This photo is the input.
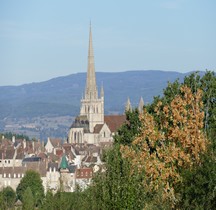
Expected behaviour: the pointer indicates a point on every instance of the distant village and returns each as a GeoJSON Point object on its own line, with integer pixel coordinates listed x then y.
{"type": "Point", "coordinates": [66, 163]}
{"type": "Point", "coordinates": [73, 164]}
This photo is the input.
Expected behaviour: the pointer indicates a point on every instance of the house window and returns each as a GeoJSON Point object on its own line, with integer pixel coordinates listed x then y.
{"type": "Point", "coordinates": [104, 134]}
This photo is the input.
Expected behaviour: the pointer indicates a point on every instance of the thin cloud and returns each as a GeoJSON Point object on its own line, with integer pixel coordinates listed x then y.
{"type": "Point", "coordinates": [172, 5]}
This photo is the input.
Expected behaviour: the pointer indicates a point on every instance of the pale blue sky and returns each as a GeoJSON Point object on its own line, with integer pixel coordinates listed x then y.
{"type": "Point", "coordinates": [43, 39]}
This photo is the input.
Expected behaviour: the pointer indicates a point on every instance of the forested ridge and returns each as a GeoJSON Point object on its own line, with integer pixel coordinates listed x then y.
{"type": "Point", "coordinates": [162, 158]}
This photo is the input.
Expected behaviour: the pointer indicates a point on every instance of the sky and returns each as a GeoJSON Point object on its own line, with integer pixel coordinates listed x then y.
{"type": "Point", "coordinates": [44, 39]}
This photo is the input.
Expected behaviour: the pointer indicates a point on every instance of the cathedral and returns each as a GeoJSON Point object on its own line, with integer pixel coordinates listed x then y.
{"type": "Point", "coordinates": [91, 126]}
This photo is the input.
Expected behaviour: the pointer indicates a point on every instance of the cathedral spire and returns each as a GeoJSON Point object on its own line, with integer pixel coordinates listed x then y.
{"type": "Point", "coordinates": [91, 88]}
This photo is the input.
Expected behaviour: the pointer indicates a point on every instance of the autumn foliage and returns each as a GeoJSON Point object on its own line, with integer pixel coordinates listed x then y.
{"type": "Point", "coordinates": [169, 141]}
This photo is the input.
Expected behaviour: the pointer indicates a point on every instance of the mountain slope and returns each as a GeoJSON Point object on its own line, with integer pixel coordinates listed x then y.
{"type": "Point", "coordinates": [61, 96]}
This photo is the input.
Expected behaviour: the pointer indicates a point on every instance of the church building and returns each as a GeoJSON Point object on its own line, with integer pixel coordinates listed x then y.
{"type": "Point", "coordinates": [91, 126]}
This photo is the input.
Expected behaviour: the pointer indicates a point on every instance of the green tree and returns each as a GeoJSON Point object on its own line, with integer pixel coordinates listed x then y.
{"type": "Point", "coordinates": [116, 187]}
{"type": "Point", "coordinates": [9, 196]}
{"type": "Point", "coordinates": [49, 202]}
{"type": "Point", "coordinates": [28, 200]}
{"type": "Point", "coordinates": [198, 189]}
{"type": "Point", "coordinates": [130, 129]}
{"type": "Point", "coordinates": [2, 202]}
{"type": "Point", "coordinates": [33, 181]}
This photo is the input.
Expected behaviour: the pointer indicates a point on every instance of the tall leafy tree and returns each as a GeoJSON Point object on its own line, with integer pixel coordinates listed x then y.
{"type": "Point", "coordinates": [197, 189]}
{"type": "Point", "coordinates": [28, 200]}
{"type": "Point", "coordinates": [130, 129]}
{"type": "Point", "coordinates": [116, 187]}
{"type": "Point", "coordinates": [162, 149]}
{"type": "Point", "coordinates": [7, 198]}
{"type": "Point", "coordinates": [33, 181]}
{"type": "Point", "coordinates": [49, 201]}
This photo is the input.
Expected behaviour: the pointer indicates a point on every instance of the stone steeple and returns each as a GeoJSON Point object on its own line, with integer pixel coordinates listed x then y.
{"type": "Point", "coordinates": [141, 104]}
{"type": "Point", "coordinates": [91, 88]}
{"type": "Point", "coordinates": [128, 106]}
{"type": "Point", "coordinates": [92, 106]}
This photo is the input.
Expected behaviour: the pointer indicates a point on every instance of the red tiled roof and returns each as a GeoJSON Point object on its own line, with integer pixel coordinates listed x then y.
{"type": "Point", "coordinates": [114, 122]}
{"type": "Point", "coordinates": [59, 152]}
{"type": "Point", "coordinates": [84, 173]}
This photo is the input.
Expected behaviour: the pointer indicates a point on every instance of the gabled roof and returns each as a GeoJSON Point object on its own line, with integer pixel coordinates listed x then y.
{"type": "Point", "coordinates": [97, 128]}
{"type": "Point", "coordinates": [56, 142]}
{"type": "Point", "coordinates": [7, 153]}
{"type": "Point", "coordinates": [90, 159]}
{"type": "Point", "coordinates": [114, 122]}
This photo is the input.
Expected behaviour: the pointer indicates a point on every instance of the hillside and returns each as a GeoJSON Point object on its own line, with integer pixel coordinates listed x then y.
{"type": "Point", "coordinates": [61, 96]}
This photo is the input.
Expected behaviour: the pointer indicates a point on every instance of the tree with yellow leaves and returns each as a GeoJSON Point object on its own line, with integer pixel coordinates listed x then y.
{"type": "Point", "coordinates": [162, 149]}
